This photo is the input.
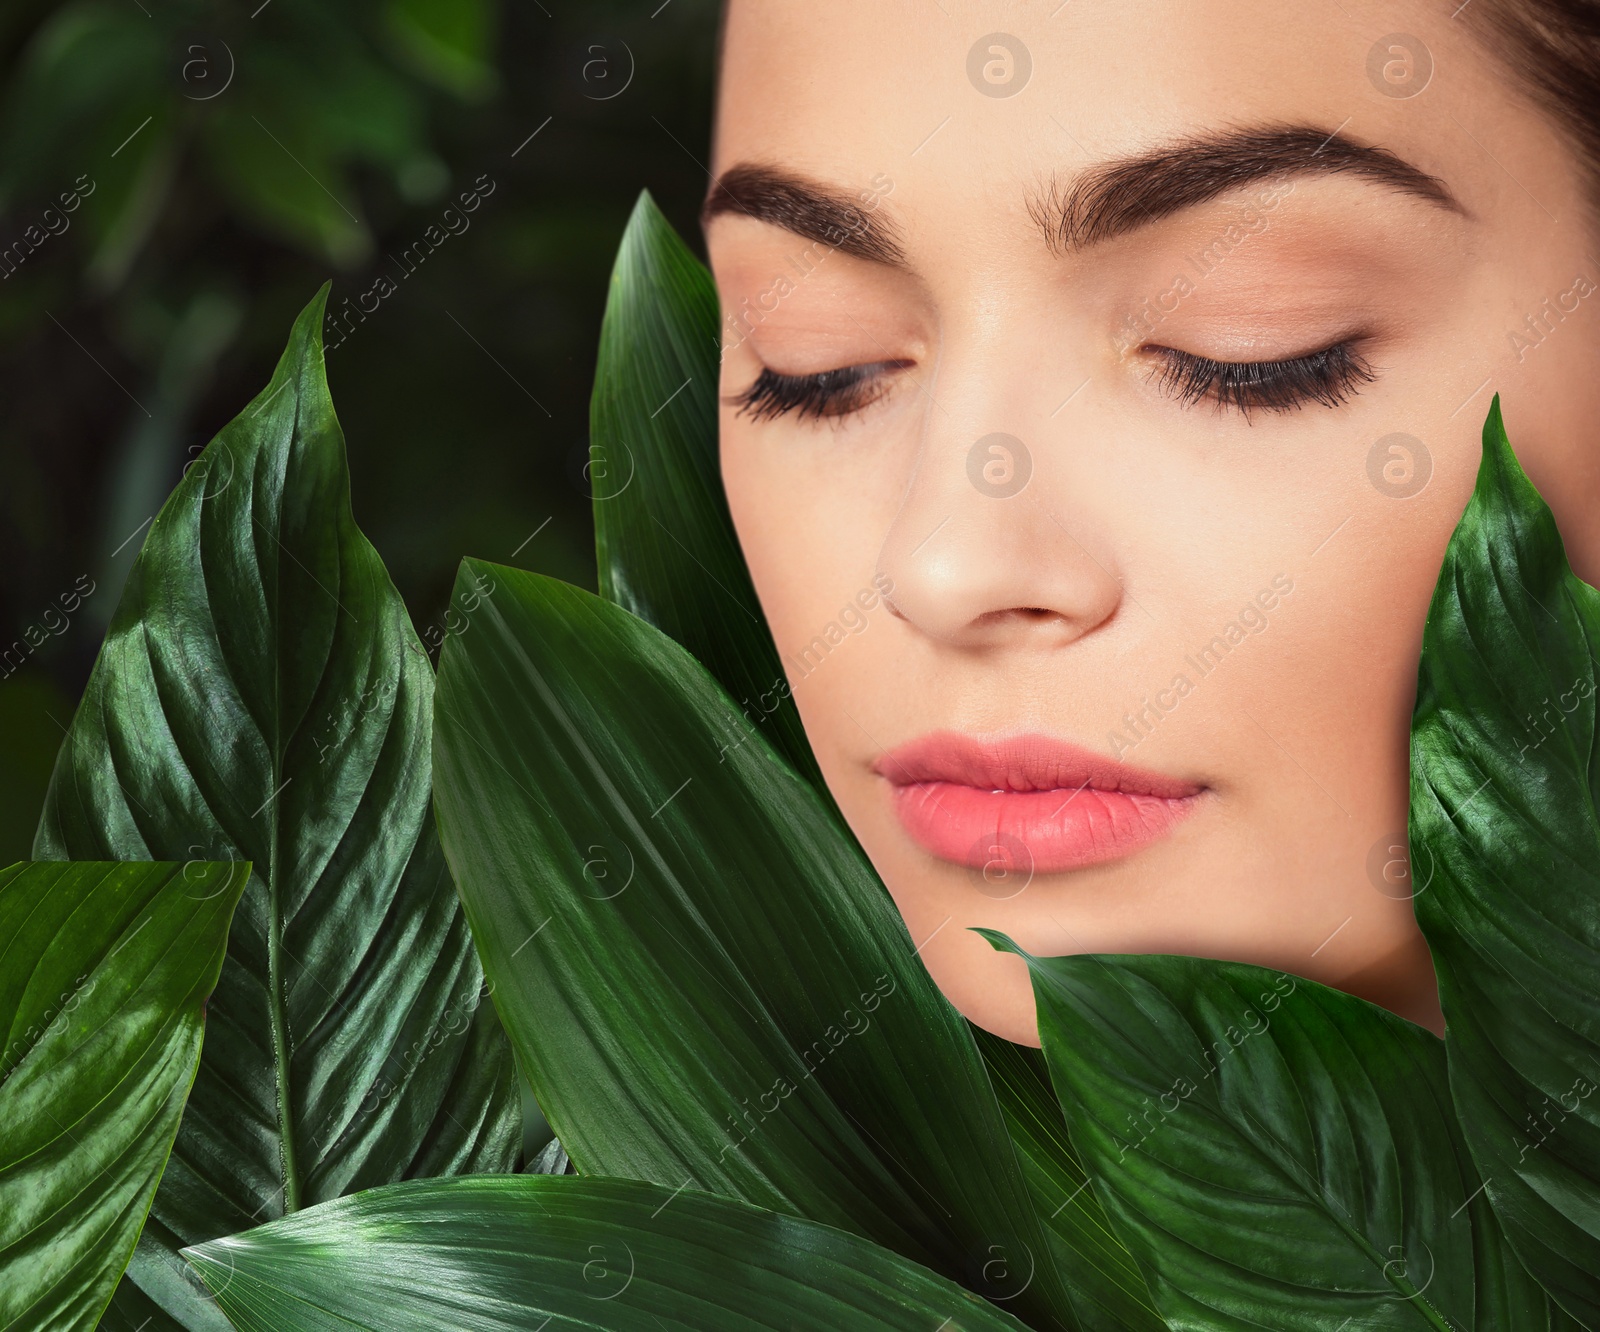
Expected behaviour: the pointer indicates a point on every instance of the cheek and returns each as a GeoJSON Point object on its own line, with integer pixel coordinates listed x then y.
{"type": "Point", "coordinates": [1328, 699]}
{"type": "Point", "coordinates": [790, 528]}
{"type": "Point", "coordinates": [810, 526]}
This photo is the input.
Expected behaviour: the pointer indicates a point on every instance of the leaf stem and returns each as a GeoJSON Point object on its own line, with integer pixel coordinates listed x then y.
{"type": "Point", "coordinates": [280, 1034]}
{"type": "Point", "coordinates": [275, 1008]}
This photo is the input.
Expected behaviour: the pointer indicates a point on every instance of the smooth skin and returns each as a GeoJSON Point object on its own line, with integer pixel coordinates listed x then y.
{"type": "Point", "coordinates": [1148, 521]}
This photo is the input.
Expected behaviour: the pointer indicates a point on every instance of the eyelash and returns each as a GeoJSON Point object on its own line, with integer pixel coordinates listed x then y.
{"type": "Point", "coordinates": [1330, 376]}
{"type": "Point", "coordinates": [827, 393]}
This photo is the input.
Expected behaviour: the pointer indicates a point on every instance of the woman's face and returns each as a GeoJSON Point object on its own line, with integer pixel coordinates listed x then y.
{"type": "Point", "coordinates": [1102, 382]}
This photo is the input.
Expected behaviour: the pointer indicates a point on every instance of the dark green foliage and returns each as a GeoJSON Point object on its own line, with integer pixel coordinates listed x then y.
{"type": "Point", "coordinates": [104, 974]}
{"type": "Point", "coordinates": [262, 696]}
{"type": "Point", "coordinates": [1278, 1154]}
{"type": "Point", "coordinates": [1505, 757]}
{"type": "Point", "coordinates": [706, 982]}
{"type": "Point", "coordinates": [513, 1255]}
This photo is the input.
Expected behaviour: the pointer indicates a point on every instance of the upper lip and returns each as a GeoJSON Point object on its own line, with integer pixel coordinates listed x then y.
{"type": "Point", "coordinates": [1028, 762]}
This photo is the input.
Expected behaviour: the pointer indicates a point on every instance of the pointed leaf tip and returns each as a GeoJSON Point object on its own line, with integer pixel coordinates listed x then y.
{"type": "Point", "coordinates": [308, 323]}
{"type": "Point", "coordinates": [1001, 942]}
{"type": "Point", "coordinates": [1500, 469]}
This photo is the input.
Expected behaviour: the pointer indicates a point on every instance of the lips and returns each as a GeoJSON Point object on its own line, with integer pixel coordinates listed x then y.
{"type": "Point", "coordinates": [1027, 802]}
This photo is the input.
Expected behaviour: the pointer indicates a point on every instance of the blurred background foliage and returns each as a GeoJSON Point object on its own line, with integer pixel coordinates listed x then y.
{"type": "Point", "coordinates": [176, 179]}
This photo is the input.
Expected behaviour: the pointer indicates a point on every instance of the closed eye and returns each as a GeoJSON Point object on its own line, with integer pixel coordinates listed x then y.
{"type": "Point", "coordinates": [826, 393]}
{"type": "Point", "coordinates": [1330, 377]}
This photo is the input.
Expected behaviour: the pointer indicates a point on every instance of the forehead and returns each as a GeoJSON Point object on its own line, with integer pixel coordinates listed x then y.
{"type": "Point", "coordinates": [954, 98]}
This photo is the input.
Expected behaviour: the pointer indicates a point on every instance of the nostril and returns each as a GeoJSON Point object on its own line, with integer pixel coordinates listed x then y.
{"type": "Point", "coordinates": [1033, 614]}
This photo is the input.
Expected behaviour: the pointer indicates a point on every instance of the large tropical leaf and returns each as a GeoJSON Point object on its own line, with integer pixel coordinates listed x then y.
{"type": "Point", "coordinates": [664, 541]}
{"type": "Point", "coordinates": [514, 1254]}
{"type": "Point", "coordinates": [705, 982]}
{"type": "Point", "coordinates": [1276, 1153]}
{"type": "Point", "coordinates": [104, 974]}
{"type": "Point", "coordinates": [262, 696]}
{"type": "Point", "coordinates": [1505, 762]}
{"type": "Point", "coordinates": [1108, 1290]}
{"type": "Point", "coordinates": [666, 550]}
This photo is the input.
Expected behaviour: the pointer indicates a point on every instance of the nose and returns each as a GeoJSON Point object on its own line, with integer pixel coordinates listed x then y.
{"type": "Point", "coordinates": [979, 557]}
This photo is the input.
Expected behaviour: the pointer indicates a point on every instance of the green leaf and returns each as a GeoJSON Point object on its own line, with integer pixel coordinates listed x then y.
{"type": "Point", "coordinates": [1505, 759]}
{"type": "Point", "coordinates": [104, 974]}
{"type": "Point", "coordinates": [1276, 1153]}
{"type": "Point", "coordinates": [262, 696]}
{"type": "Point", "coordinates": [664, 540]}
{"type": "Point", "coordinates": [518, 1253]}
{"type": "Point", "coordinates": [705, 982]}
{"type": "Point", "coordinates": [667, 550]}
{"type": "Point", "coordinates": [1108, 1290]}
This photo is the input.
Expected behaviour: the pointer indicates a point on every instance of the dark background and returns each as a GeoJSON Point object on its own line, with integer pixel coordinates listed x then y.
{"type": "Point", "coordinates": [239, 154]}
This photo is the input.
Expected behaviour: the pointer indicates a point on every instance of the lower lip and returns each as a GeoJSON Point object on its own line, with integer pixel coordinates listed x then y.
{"type": "Point", "coordinates": [1036, 830]}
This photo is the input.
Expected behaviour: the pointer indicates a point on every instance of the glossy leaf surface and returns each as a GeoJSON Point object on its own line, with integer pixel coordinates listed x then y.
{"type": "Point", "coordinates": [262, 696]}
{"type": "Point", "coordinates": [667, 550]}
{"type": "Point", "coordinates": [1108, 1290]}
{"type": "Point", "coordinates": [705, 982]}
{"type": "Point", "coordinates": [1276, 1153]}
{"type": "Point", "coordinates": [104, 974]}
{"type": "Point", "coordinates": [1505, 761]}
{"type": "Point", "coordinates": [664, 541]}
{"type": "Point", "coordinates": [512, 1254]}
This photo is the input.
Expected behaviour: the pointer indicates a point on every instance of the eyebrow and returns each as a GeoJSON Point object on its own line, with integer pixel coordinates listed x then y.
{"type": "Point", "coordinates": [1120, 196]}
{"type": "Point", "coordinates": [815, 211]}
{"type": "Point", "coordinates": [1105, 201]}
